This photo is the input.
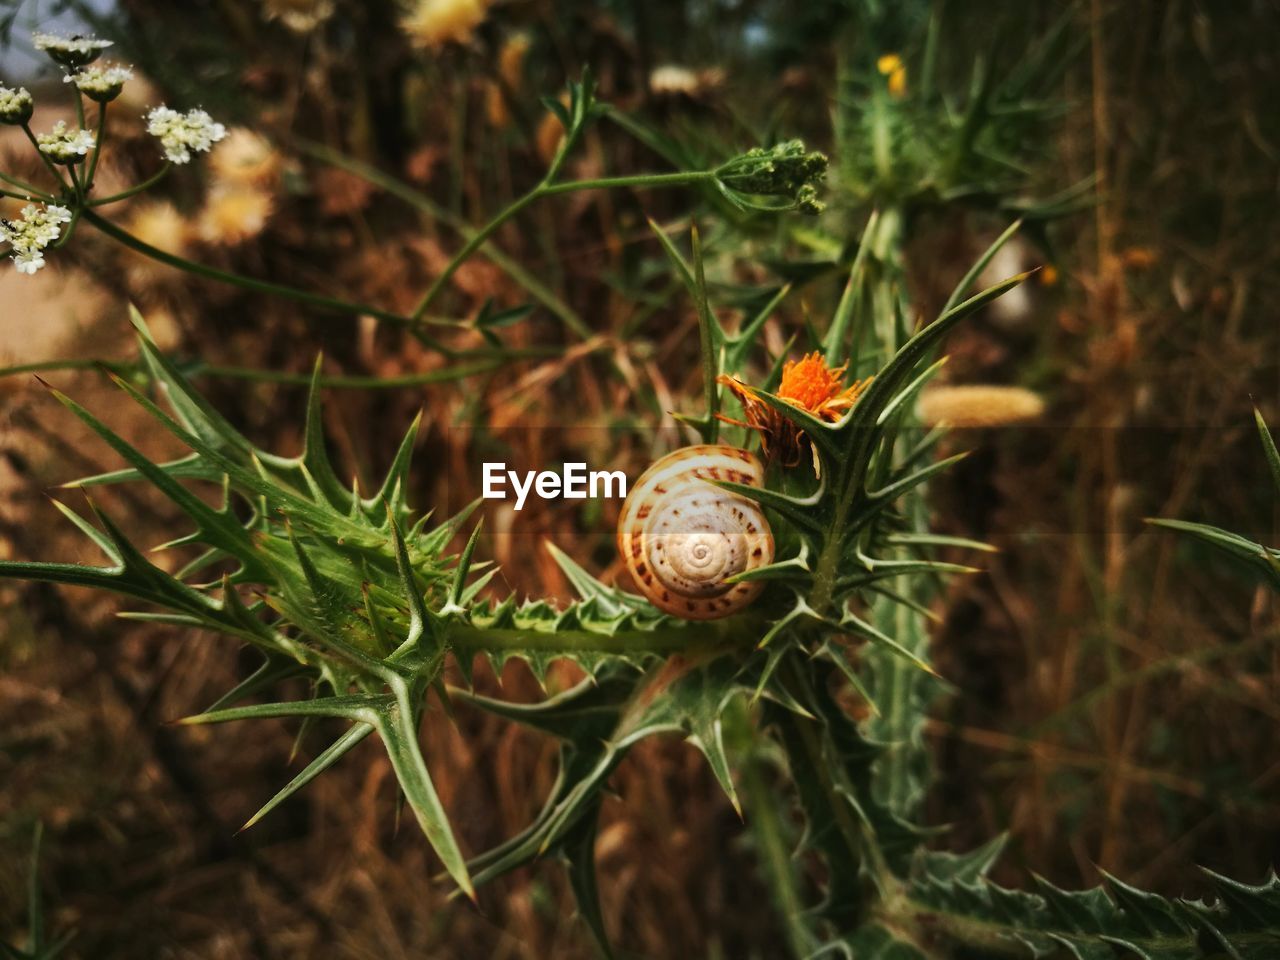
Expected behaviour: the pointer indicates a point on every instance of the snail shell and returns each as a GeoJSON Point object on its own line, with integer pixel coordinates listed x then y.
{"type": "Point", "coordinates": [682, 537]}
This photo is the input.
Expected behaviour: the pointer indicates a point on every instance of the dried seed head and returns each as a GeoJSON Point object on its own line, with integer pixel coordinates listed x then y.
{"type": "Point", "coordinates": [300, 16]}
{"type": "Point", "coordinates": [245, 157]}
{"type": "Point", "coordinates": [979, 405]}
{"type": "Point", "coordinates": [433, 23]}
{"type": "Point", "coordinates": [234, 214]}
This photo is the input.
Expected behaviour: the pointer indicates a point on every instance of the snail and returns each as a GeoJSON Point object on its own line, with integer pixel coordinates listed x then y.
{"type": "Point", "coordinates": [682, 537]}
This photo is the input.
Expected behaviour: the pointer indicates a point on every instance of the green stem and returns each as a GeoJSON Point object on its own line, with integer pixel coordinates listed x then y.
{"type": "Point", "coordinates": [123, 368]}
{"type": "Point", "coordinates": [706, 343]}
{"type": "Point", "coordinates": [774, 853]}
{"type": "Point", "coordinates": [53, 169]}
{"type": "Point", "coordinates": [99, 136]}
{"type": "Point", "coordinates": [402, 191]}
{"type": "Point", "coordinates": [684, 637]}
{"type": "Point", "coordinates": [31, 192]}
{"type": "Point", "coordinates": [818, 759]}
{"type": "Point", "coordinates": [640, 180]}
{"type": "Point", "coordinates": [133, 191]}
{"type": "Point", "coordinates": [472, 245]}
{"type": "Point", "coordinates": [71, 228]}
{"type": "Point", "coordinates": [546, 189]}
{"type": "Point", "coordinates": [249, 283]}
{"type": "Point", "coordinates": [76, 184]}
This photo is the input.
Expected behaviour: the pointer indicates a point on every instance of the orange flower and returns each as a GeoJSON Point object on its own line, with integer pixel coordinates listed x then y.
{"type": "Point", "coordinates": [807, 383]}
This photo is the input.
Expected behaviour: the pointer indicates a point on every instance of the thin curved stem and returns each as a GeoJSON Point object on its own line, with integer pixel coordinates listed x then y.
{"type": "Point", "coordinates": [250, 283]}
{"type": "Point", "coordinates": [30, 192]}
{"type": "Point", "coordinates": [397, 188]}
{"type": "Point", "coordinates": [472, 245]}
{"type": "Point", "coordinates": [544, 189]}
{"type": "Point", "coordinates": [641, 180]}
{"type": "Point", "coordinates": [53, 169]}
{"type": "Point", "coordinates": [99, 135]}
{"type": "Point", "coordinates": [124, 368]}
{"type": "Point", "coordinates": [71, 228]}
{"type": "Point", "coordinates": [147, 184]}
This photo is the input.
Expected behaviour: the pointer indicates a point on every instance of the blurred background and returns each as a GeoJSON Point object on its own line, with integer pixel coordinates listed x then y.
{"type": "Point", "coordinates": [1116, 702]}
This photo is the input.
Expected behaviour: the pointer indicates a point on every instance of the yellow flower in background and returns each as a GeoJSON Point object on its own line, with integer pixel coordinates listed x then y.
{"type": "Point", "coordinates": [511, 70]}
{"type": "Point", "coordinates": [300, 16]}
{"type": "Point", "coordinates": [511, 59]}
{"type": "Point", "coordinates": [890, 65]}
{"type": "Point", "coordinates": [979, 405]}
{"type": "Point", "coordinates": [433, 23]}
{"type": "Point", "coordinates": [549, 133]}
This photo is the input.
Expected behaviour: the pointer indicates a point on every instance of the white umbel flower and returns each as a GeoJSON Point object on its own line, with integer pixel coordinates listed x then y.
{"type": "Point", "coordinates": [101, 83]}
{"type": "Point", "coordinates": [70, 51]}
{"type": "Point", "coordinates": [181, 133]}
{"type": "Point", "coordinates": [64, 145]}
{"type": "Point", "coordinates": [29, 261]}
{"type": "Point", "coordinates": [15, 105]}
{"type": "Point", "coordinates": [28, 237]}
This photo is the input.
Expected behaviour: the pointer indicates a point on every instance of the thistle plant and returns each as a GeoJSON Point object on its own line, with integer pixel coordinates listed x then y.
{"type": "Point", "coordinates": [360, 596]}
{"type": "Point", "coordinates": [363, 599]}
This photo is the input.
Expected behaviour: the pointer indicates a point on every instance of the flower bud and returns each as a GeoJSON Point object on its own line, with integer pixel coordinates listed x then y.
{"type": "Point", "coordinates": [15, 105]}
{"type": "Point", "coordinates": [64, 145]}
{"type": "Point", "coordinates": [101, 84]}
{"type": "Point", "coordinates": [70, 51]}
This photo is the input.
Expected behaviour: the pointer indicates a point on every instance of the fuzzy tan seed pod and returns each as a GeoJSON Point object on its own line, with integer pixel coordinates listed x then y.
{"type": "Point", "coordinates": [245, 157]}
{"type": "Point", "coordinates": [433, 23]}
{"type": "Point", "coordinates": [511, 69]}
{"type": "Point", "coordinates": [300, 16]}
{"type": "Point", "coordinates": [159, 224]}
{"type": "Point", "coordinates": [979, 405]}
{"type": "Point", "coordinates": [234, 214]}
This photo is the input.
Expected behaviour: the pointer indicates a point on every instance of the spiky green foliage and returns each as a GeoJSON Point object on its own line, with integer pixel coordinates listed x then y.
{"type": "Point", "coordinates": [360, 597]}
{"type": "Point", "coordinates": [908, 141]}
{"type": "Point", "coordinates": [1242, 922]}
{"type": "Point", "coordinates": [349, 592]}
{"type": "Point", "coordinates": [1264, 559]}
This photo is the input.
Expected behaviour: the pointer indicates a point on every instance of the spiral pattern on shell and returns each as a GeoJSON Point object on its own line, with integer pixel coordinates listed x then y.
{"type": "Point", "coordinates": [682, 537]}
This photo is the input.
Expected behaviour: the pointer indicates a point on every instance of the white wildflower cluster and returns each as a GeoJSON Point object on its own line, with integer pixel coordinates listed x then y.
{"type": "Point", "coordinates": [181, 133]}
{"type": "Point", "coordinates": [65, 145]}
{"type": "Point", "coordinates": [70, 51]}
{"type": "Point", "coordinates": [101, 83]}
{"type": "Point", "coordinates": [28, 237]}
{"type": "Point", "coordinates": [15, 105]}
